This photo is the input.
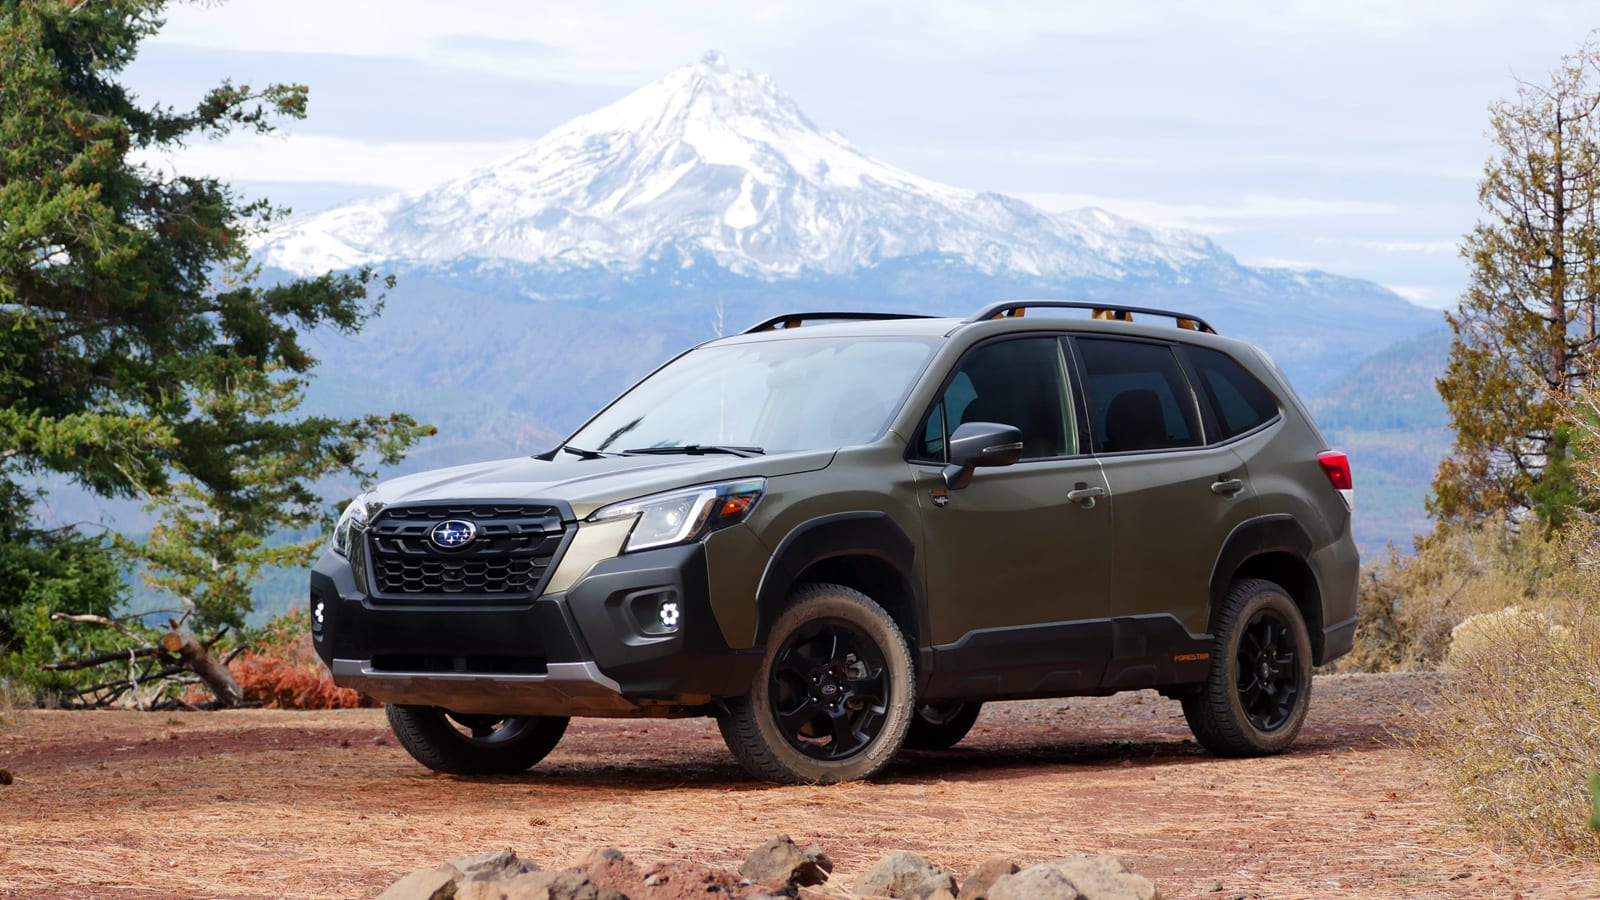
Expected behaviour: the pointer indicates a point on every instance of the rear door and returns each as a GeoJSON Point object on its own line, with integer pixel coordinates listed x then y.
{"type": "Point", "coordinates": [1176, 495]}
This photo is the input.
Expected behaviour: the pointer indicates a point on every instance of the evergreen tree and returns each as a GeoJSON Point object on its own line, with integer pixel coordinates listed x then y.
{"type": "Point", "coordinates": [132, 360]}
{"type": "Point", "coordinates": [1526, 330]}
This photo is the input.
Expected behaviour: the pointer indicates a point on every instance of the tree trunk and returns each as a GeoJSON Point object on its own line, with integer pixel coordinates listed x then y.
{"type": "Point", "coordinates": [197, 659]}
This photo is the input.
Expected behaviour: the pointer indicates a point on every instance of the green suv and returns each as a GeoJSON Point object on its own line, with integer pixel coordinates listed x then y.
{"type": "Point", "coordinates": [839, 534]}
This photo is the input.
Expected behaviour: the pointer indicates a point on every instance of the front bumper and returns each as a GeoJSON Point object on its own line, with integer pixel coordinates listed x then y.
{"type": "Point", "coordinates": [586, 651]}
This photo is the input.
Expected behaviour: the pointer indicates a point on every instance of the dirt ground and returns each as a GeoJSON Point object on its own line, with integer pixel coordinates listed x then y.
{"type": "Point", "coordinates": [285, 804]}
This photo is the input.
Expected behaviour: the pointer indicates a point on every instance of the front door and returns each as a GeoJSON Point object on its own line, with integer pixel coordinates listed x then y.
{"type": "Point", "coordinates": [1018, 562]}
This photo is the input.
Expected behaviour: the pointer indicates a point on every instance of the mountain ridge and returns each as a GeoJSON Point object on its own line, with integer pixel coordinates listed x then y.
{"type": "Point", "coordinates": [715, 162]}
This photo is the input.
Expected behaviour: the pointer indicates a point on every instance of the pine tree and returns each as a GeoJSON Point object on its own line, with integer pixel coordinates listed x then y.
{"type": "Point", "coordinates": [1526, 330]}
{"type": "Point", "coordinates": [139, 355]}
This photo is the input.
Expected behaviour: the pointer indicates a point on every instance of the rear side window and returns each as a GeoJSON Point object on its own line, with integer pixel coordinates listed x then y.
{"type": "Point", "coordinates": [1138, 396]}
{"type": "Point", "coordinates": [1238, 401]}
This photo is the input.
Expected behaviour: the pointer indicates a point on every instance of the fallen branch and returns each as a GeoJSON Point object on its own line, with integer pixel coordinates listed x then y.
{"type": "Point", "coordinates": [100, 659]}
{"type": "Point", "coordinates": [98, 620]}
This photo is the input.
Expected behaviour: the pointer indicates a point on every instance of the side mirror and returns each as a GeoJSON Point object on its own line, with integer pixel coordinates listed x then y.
{"type": "Point", "coordinates": [980, 444]}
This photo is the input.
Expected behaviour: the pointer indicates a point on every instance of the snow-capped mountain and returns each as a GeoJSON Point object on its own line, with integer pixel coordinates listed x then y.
{"type": "Point", "coordinates": [715, 163]}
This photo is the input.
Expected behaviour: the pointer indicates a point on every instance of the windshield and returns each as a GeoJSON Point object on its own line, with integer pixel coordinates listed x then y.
{"type": "Point", "coordinates": [775, 396]}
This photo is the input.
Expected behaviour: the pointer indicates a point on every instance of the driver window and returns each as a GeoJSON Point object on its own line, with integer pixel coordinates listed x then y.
{"type": "Point", "coordinates": [1018, 382]}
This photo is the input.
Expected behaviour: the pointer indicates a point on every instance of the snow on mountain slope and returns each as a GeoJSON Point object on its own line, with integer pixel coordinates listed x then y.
{"type": "Point", "coordinates": [713, 161]}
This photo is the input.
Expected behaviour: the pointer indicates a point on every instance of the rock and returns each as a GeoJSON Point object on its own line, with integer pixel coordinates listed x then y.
{"type": "Point", "coordinates": [906, 876]}
{"type": "Point", "coordinates": [988, 872]}
{"type": "Point", "coordinates": [557, 886]}
{"type": "Point", "coordinates": [780, 859]}
{"type": "Point", "coordinates": [494, 864]}
{"type": "Point", "coordinates": [599, 856]}
{"type": "Point", "coordinates": [1104, 877]}
{"type": "Point", "coordinates": [609, 868]}
{"type": "Point", "coordinates": [424, 884]}
{"type": "Point", "coordinates": [483, 889]}
{"type": "Point", "coordinates": [1041, 882]}
{"type": "Point", "coordinates": [1482, 634]}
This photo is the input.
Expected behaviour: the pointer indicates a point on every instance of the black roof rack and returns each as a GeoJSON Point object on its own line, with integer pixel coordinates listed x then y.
{"type": "Point", "coordinates": [795, 320]}
{"type": "Point", "coordinates": [1115, 311]}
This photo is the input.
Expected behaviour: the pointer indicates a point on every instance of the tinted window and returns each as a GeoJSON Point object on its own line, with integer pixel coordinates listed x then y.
{"type": "Point", "coordinates": [1018, 382]}
{"type": "Point", "coordinates": [1138, 397]}
{"type": "Point", "coordinates": [1238, 401]}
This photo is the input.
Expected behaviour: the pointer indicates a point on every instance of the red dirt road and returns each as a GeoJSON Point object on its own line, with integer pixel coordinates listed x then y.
{"type": "Point", "coordinates": [282, 804]}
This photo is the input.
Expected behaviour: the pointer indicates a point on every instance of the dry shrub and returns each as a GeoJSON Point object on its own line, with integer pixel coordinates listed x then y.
{"type": "Point", "coordinates": [1409, 606]}
{"type": "Point", "coordinates": [1518, 735]}
{"type": "Point", "coordinates": [282, 670]}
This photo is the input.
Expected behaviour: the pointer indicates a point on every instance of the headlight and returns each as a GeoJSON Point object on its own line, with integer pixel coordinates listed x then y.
{"type": "Point", "coordinates": [680, 517]}
{"type": "Point", "coordinates": [354, 518]}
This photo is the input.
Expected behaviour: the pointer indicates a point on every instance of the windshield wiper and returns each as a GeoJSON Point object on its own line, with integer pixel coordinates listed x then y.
{"type": "Point", "coordinates": [582, 453]}
{"type": "Point", "coordinates": [698, 449]}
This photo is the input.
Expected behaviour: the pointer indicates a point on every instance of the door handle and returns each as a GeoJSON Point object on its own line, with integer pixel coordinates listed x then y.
{"type": "Point", "coordinates": [1086, 496]}
{"type": "Point", "coordinates": [1227, 487]}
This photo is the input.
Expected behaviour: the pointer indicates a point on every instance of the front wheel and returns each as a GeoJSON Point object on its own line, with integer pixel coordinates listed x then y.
{"type": "Point", "coordinates": [1255, 698]}
{"type": "Point", "coordinates": [834, 694]}
{"type": "Point", "coordinates": [474, 744]}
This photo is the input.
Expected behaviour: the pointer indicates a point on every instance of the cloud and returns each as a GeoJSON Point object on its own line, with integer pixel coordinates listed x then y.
{"type": "Point", "coordinates": [1431, 297]}
{"type": "Point", "coordinates": [400, 165]}
{"type": "Point", "coordinates": [1428, 248]}
{"type": "Point", "coordinates": [1200, 217]}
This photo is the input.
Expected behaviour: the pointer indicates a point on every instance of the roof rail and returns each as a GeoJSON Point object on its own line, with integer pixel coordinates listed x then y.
{"type": "Point", "coordinates": [1113, 311]}
{"type": "Point", "coordinates": [795, 320]}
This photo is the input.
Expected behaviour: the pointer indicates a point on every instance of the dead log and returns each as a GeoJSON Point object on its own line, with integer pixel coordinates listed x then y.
{"type": "Point", "coordinates": [195, 657]}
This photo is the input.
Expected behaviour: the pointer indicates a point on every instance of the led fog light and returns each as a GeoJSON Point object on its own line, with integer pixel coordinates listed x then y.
{"type": "Point", "coordinates": [657, 612]}
{"type": "Point", "coordinates": [318, 612]}
{"type": "Point", "coordinates": [667, 613]}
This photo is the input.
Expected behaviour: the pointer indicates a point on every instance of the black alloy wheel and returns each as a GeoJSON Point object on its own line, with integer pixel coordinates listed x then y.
{"type": "Point", "coordinates": [829, 689]}
{"type": "Point", "coordinates": [1257, 692]}
{"type": "Point", "coordinates": [833, 696]}
{"type": "Point", "coordinates": [1269, 671]}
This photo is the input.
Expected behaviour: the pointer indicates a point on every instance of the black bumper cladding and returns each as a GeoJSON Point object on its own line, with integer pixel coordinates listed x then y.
{"type": "Point", "coordinates": [590, 651]}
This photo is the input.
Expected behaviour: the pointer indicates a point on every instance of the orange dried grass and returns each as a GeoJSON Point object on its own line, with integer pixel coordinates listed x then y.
{"type": "Point", "coordinates": [290, 676]}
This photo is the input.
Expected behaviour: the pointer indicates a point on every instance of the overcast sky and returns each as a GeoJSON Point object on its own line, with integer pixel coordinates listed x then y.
{"type": "Point", "coordinates": [1344, 135]}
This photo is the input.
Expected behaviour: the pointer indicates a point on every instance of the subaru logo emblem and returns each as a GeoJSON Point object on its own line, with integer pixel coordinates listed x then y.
{"type": "Point", "coordinates": [453, 534]}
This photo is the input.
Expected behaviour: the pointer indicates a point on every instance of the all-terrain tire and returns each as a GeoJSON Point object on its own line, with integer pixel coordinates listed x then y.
{"type": "Point", "coordinates": [940, 726]}
{"type": "Point", "coordinates": [490, 745]}
{"type": "Point", "coordinates": [1255, 697]}
{"type": "Point", "coordinates": [833, 697]}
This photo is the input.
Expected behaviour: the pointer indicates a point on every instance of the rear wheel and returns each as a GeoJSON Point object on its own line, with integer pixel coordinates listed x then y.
{"type": "Point", "coordinates": [940, 726]}
{"type": "Point", "coordinates": [474, 744]}
{"type": "Point", "coordinates": [833, 697]}
{"type": "Point", "coordinates": [1256, 696]}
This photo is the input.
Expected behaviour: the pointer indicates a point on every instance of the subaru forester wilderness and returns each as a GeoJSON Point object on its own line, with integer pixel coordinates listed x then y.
{"type": "Point", "coordinates": [841, 539]}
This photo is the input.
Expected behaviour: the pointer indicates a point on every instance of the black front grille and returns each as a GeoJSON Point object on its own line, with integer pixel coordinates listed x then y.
{"type": "Point", "coordinates": [514, 548]}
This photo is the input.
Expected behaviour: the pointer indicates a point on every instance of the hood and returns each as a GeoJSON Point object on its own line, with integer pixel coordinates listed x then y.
{"type": "Point", "coordinates": [588, 484]}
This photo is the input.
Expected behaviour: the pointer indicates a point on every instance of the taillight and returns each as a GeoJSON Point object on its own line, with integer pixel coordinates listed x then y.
{"type": "Point", "coordinates": [1336, 466]}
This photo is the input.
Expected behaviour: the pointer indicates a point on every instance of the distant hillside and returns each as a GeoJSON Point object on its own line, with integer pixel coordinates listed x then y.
{"type": "Point", "coordinates": [1387, 415]}
{"type": "Point", "coordinates": [1391, 390]}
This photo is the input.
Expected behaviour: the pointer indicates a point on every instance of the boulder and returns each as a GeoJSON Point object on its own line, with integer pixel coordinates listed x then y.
{"type": "Point", "coordinates": [556, 886]}
{"type": "Point", "coordinates": [976, 887]}
{"type": "Point", "coordinates": [424, 884]}
{"type": "Point", "coordinates": [1041, 882]}
{"type": "Point", "coordinates": [905, 876]}
{"type": "Point", "coordinates": [780, 859]}
{"type": "Point", "coordinates": [494, 864]}
{"type": "Point", "coordinates": [1104, 877]}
